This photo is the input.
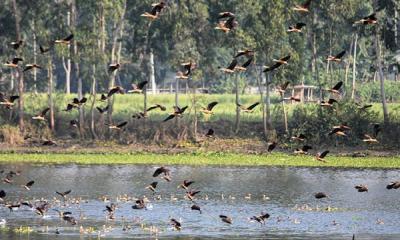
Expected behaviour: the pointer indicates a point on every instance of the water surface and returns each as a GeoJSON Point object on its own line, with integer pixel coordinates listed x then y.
{"type": "Point", "coordinates": [285, 193]}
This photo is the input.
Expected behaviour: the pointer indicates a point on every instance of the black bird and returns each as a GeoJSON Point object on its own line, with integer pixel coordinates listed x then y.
{"type": "Point", "coordinates": [336, 88]}
{"type": "Point", "coordinates": [226, 219]}
{"type": "Point", "coordinates": [66, 40]}
{"type": "Point", "coordinates": [361, 188]}
{"type": "Point", "coordinates": [249, 109]}
{"type": "Point", "coordinates": [41, 115]}
{"type": "Point", "coordinates": [14, 62]}
{"type": "Point", "coordinates": [152, 186]}
{"type": "Point", "coordinates": [42, 208]}
{"type": "Point", "coordinates": [17, 44]}
{"type": "Point", "coordinates": [113, 67]}
{"type": "Point", "coordinates": [139, 204]}
{"type": "Point", "coordinates": [210, 133]}
{"type": "Point", "coordinates": [155, 11]}
{"type": "Point", "coordinates": [231, 68]}
{"type": "Point", "coordinates": [393, 185]}
{"type": "Point", "coordinates": [49, 143]}
{"type": "Point", "coordinates": [209, 109]}
{"type": "Point", "coordinates": [74, 123]}
{"type": "Point", "coordinates": [8, 102]}
{"type": "Point", "coordinates": [185, 185]}
{"type": "Point", "coordinates": [337, 58]}
{"type": "Point", "coordinates": [260, 218]}
{"type": "Point", "coordinates": [64, 194]}
{"type": "Point", "coordinates": [111, 210]}
{"type": "Point", "coordinates": [28, 185]}
{"type": "Point", "coordinates": [248, 53]}
{"type": "Point", "coordinates": [301, 137]}
{"type": "Point", "coordinates": [320, 195]}
{"type": "Point", "coordinates": [368, 20]}
{"type": "Point", "coordinates": [138, 88]}
{"type": "Point", "coordinates": [79, 102]}
{"type": "Point", "coordinates": [157, 106]}
{"type": "Point", "coordinates": [176, 224]}
{"type": "Point", "coordinates": [177, 113]}
{"type": "Point", "coordinates": [2, 195]}
{"type": "Point", "coordinates": [245, 65]}
{"type": "Point", "coordinates": [119, 126]}
{"type": "Point", "coordinates": [303, 150]}
{"type": "Point", "coordinates": [162, 170]}
{"type": "Point", "coordinates": [296, 28]}
{"type": "Point", "coordinates": [113, 91]}
{"type": "Point", "coordinates": [271, 146]}
{"type": "Point", "coordinates": [191, 194]}
{"type": "Point", "coordinates": [102, 110]}
{"type": "Point", "coordinates": [320, 156]}
{"type": "Point", "coordinates": [43, 50]}
{"type": "Point", "coordinates": [196, 208]}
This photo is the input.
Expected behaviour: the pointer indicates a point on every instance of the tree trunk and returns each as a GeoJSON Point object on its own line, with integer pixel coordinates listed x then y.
{"type": "Point", "coordinates": [19, 70]}
{"type": "Point", "coordinates": [77, 69]}
{"type": "Point", "coordinates": [92, 112]}
{"type": "Point", "coordinates": [67, 64]}
{"type": "Point", "coordinates": [381, 77]}
{"type": "Point", "coordinates": [34, 57]}
{"type": "Point", "coordinates": [353, 89]}
{"type": "Point", "coordinates": [152, 74]}
{"type": "Point", "coordinates": [237, 121]}
{"type": "Point", "coordinates": [50, 89]}
{"type": "Point", "coordinates": [261, 91]}
{"type": "Point", "coordinates": [268, 103]}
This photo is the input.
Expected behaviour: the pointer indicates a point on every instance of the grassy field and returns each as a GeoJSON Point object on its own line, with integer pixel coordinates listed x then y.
{"type": "Point", "coordinates": [126, 105]}
{"type": "Point", "coordinates": [203, 159]}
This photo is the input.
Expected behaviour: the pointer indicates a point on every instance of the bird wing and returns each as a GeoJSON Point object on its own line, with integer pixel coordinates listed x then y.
{"type": "Point", "coordinates": [247, 63]}
{"type": "Point", "coordinates": [75, 101]}
{"type": "Point", "coordinates": [211, 106]}
{"type": "Point", "coordinates": [16, 60]}
{"type": "Point", "coordinates": [338, 86]}
{"type": "Point", "coordinates": [69, 38]}
{"type": "Point", "coordinates": [306, 148]}
{"type": "Point", "coordinates": [30, 183]}
{"type": "Point", "coordinates": [323, 154]}
{"type": "Point", "coordinates": [285, 58]}
{"type": "Point", "coordinates": [44, 111]}
{"type": "Point", "coordinates": [233, 64]}
{"type": "Point", "coordinates": [151, 108]}
{"type": "Point", "coordinates": [171, 116]}
{"type": "Point", "coordinates": [300, 25]}
{"type": "Point", "coordinates": [83, 100]}
{"type": "Point", "coordinates": [142, 84]}
{"type": "Point", "coordinates": [123, 124]}
{"type": "Point", "coordinates": [183, 109]}
{"type": "Point", "coordinates": [253, 106]}
{"type": "Point", "coordinates": [13, 98]}
{"type": "Point", "coordinates": [331, 101]}
{"type": "Point", "coordinates": [225, 15]}
{"type": "Point", "coordinates": [112, 91]}
{"type": "Point", "coordinates": [285, 85]}
{"type": "Point", "coordinates": [340, 55]}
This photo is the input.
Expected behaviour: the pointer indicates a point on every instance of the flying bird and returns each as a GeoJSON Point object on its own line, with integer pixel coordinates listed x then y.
{"type": "Point", "coordinates": [361, 188]}
{"type": "Point", "coordinates": [157, 106]}
{"type": "Point", "coordinates": [226, 219]}
{"type": "Point", "coordinates": [64, 194]}
{"type": "Point", "coordinates": [321, 155]}
{"type": "Point", "coordinates": [176, 224]}
{"type": "Point", "coordinates": [28, 185]}
{"type": "Point", "coordinates": [226, 25]}
{"type": "Point", "coordinates": [231, 67]}
{"type": "Point", "coordinates": [16, 45]}
{"type": "Point", "coordinates": [119, 126]}
{"type": "Point", "coordinates": [209, 109]}
{"type": "Point", "coordinates": [177, 113]}
{"type": "Point", "coordinates": [66, 40]}
{"type": "Point", "coordinates": [329, 103]}
{"type": "Point", "coordinates": [336, 58]}
{"type": "Point", "coordinates": [301, 137]}
{"type": "Point", "coordinates": [8, 102]}
{"type": "Point", "coordinates": [41, 116]}
{"type": "Point", "coordinates": [14, 62]}
{"type": "Point", "coordinates": [368, 20]}
{"type": "Point", "coordinates": [102, 110]}
{"type": "Point", "coordinates": [249, 109]}
{"type": "Point", "coordinates": [31, 66]}
{"type": "Point", "coordinates": [320, 195]}
{"type": "Point", "coordinates": [245, 65]}
{"type": "Point", "coordinates": [369, 139]}
{"type": "Point", "coordinates": [297, 27]}
{"type": "Point", "coordinates": [113, 67]}
{"type": "Point", "coordinates": [248, 53]}
{"type": "Point", "coordinates": [155, 11]}
{"type": "Point", "coordinates": [191, 194]}
{"type": "Point", "coordinates": [304, 8]}
{"type": "Point", "coordinates": [113, 91]}
{"type": "Point", "coordinates": [303, 151]}
{"type": "Point", "coordinates": [281, 89]}
{"type": "Point", "coordinates": [138, 88]}
{"type": "Point", "coordinates": [260, 218]}
{"type": "Point", "coordinates": [196, 208]}
{"type": "Point", "coordinates": [152, 186]}
{"type": "Point", "coordinates": [185, 185]}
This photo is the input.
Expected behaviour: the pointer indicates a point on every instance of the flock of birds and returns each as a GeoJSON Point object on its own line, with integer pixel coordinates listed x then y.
{"type": "Point", "coordinates": [63, 205]}
{"type": "Point", "coordinates": [227, 22]}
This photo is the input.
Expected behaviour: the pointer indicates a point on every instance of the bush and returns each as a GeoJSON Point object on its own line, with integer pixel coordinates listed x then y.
{"type": "Point", "coordinates": [11, 135]}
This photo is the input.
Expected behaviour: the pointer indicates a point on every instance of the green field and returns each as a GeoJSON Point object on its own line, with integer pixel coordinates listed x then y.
{"type": "Point", "coordinates": [201, 159]}
{"type": "Point", "coordinates": [126, 105]}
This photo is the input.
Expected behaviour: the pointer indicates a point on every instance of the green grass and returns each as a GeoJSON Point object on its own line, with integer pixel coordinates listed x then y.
{"type": "Point", "coordinates": [126, 105]}
{"type": "Point", "coordinates": [202, 159]}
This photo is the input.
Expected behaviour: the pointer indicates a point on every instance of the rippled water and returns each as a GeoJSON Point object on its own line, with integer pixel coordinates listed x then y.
{"type": "Point", "coordinates": [285, 193]}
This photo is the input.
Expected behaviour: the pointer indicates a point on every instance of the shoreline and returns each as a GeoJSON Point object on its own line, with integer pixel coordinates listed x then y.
{"type": "Point", "coordinates": [202, 159]}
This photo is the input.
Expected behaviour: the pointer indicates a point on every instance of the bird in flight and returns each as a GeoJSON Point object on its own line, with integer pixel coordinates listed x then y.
{"type": "Point", "coordinates": [249, 109]}
{"type": "Point", "coordinates": [138, 88]}
{"type": "Point", "coordinates": [368, 20]}
{"type": "Point", "coordinates": [297, 27]}
{"type": "Point", "coordinates": [66, 40]}
{"type": "Point", "coordinates": [177, 113]}
{"type": "Point", "coordinates": [303, 8]}
{"type": "Point", "coordinates": [155, 11]}
{"type": "Point", "coordinates": [337, 58]}
{"type": "Point", "coordinates": [227, 22]}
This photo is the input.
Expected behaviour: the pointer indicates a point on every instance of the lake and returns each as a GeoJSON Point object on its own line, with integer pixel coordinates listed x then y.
{"type": "Point", "coordinates": [287, 194]}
